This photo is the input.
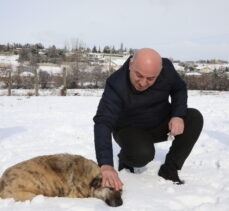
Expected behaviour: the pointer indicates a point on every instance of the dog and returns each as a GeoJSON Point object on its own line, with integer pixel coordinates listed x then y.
{"type": "Point", "coordinates": [62, 175]}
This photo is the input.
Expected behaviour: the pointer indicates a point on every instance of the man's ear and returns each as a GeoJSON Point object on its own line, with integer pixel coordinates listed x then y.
{"type": "Point", "coordinates": [96, 182]}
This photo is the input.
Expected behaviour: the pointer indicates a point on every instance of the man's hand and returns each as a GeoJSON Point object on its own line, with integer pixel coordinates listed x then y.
{"type": "Point", "coordinates": [176, 126]}
{"type": "Point", "coordinates": [110, 177]}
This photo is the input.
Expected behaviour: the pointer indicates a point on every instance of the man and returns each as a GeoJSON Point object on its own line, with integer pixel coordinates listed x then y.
{"type": "Point", "coordinates": [135, 107]}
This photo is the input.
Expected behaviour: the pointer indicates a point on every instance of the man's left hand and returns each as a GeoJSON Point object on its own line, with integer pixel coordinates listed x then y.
{"type": "Point", "coordinates": [176, 126]}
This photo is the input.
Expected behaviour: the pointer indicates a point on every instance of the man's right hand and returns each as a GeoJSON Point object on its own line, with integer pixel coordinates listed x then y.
{"type": "Point", "coordinates": [110, 177]}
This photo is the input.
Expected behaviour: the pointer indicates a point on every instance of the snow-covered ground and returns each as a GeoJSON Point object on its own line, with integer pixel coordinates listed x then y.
{"type": "Point", "coordinates": [13, 60]}
{"type": "Point", "coordinates": [51, 69]}
{"type": "Point", "coordinates": [32, 126]}
{"type": "Point", "coordinates": [52, 92]}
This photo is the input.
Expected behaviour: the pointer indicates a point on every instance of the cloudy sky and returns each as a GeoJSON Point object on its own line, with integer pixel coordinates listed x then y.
{"type": "Point", "coordinates": [181, 29]}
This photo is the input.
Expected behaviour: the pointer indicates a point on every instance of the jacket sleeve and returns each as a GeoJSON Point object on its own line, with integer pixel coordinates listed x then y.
{"type": "Point", "coordinates": [105, 120]}
{"type": "Point", "coordinates": [178, 94]}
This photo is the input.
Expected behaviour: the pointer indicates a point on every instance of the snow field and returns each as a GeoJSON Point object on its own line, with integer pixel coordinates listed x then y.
{"type": "Point", "coordinates": [32, 126]}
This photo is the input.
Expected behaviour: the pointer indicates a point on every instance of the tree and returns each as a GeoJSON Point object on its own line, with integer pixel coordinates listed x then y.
{"type": "Point", "coordinates": [44, 79]}
{"type": "Point", "coordinates": [131, 51]}
{"type": "Point", "coordinates": [25, 54]}
{"type": "Point", "coordinates": [78, 50]}
{"type": "Point", "coordinates": [94, 49]}
{"type": "Point", "coordinates": [121, 50]}
{"type": "Point", "coordinates": [113, 50]}
{"type": "Point", "coordinates": [106, 49]}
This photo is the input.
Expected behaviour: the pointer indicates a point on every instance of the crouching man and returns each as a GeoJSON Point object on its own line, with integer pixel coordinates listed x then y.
{"type": "Point", "coordinates": [135, 108]}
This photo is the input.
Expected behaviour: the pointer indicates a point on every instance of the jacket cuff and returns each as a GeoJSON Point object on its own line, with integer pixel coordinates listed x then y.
{"type": "Point", "coordinates": [105, 162]}
{"type": "Point", "coordinates": [182, 117]}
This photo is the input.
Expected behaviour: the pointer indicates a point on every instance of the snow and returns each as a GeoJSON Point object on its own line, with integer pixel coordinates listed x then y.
{"type": "Point", "coordinates": [13, 60]}
{"type": "Point", "coordinates": [32, 126]}
{"type": "Point", "coordinates": [53, 92]}
{"type": "Point", "coordinates": [51, 69]}
{"type": "Point", "coordinates": [212, 66]}
{"type": "Point", "coordinates": [193, 73]}
{"type": "Point", "coordinates": [27, 74]}
{"type": "Point", "coordinates": [178, 67]}
{"type": "Point", "coordinates": [119, 62]}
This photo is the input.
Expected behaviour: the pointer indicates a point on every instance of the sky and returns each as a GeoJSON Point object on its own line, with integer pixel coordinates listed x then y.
{"type": "Point", "coordinates": [178, 29]}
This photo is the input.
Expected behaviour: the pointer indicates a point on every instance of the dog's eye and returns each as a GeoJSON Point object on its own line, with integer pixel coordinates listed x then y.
{"type": "Point", "coordinates": [96, 182]}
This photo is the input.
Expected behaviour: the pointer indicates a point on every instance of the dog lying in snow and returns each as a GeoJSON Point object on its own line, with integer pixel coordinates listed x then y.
{"type": "Point", "coordinates": [62, 175]}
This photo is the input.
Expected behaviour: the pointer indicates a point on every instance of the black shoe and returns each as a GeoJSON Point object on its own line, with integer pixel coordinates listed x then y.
{"type": "Point", "coordinates": [170, 173]}
{"type": "Point", "coordinates": [124, 166]}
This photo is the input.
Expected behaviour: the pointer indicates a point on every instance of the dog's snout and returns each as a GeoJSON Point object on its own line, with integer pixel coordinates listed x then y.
{"type": "Point", "coordinates": [109, 195]}
{"type": "Point", "coordinates": [119, 202]}
{"type": "Point", "coordinates": [114, 202]}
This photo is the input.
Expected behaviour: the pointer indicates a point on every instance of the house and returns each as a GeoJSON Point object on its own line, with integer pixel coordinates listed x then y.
{"type": "Point", "coordinates": [204, 69]}
{"type": "Point", "coordinates": [94, 55]}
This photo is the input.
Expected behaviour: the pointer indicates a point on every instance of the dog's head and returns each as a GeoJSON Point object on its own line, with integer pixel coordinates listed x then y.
{"type": "Point", "coordinates": [107, 194]}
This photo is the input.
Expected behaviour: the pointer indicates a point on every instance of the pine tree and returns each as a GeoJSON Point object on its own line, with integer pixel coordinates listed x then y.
{"type": "Point", "coordinates": [94, 49]}
{"type": "Point", "coordinates": [106, 49]}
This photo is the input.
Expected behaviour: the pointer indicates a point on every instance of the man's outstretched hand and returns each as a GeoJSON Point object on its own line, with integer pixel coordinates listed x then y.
{"type": "Point", "coordinates": [110, 177]}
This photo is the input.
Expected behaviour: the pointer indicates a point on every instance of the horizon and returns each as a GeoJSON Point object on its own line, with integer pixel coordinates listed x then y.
{"type": "Point", "coordinates": [101, 48]}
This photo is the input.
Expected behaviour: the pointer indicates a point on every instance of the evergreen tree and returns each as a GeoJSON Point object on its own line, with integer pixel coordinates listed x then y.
{"type": "Point", "coordinates": [113, 50]}
{"type": "Point", "coordinates": [106, 49]}
{"type": "Point", "coordinates": [121, 48]}
{"type": "Point", "coordinates": [94, 49]}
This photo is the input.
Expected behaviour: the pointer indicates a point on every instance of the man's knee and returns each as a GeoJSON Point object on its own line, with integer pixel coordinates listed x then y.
{"type": "Point", "coordinates": [140, 157]}
{"type": "Point", "coordinates": [137, 146]}
{"type": "Point", "coordinates": [133, 138]}
{"type": "Point", "coordinates": [195, 116]}
{"type": "Point", "coordinates": [193, 125]}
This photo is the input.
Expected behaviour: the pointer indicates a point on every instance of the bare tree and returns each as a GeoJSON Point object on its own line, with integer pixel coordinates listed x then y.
{"type": "Point", "coordinates": [9, 81]}
{"type": "Point", "coordinates": [6, 76]}
{"type": "Point", "coordinates": [44, 79]}
{"type": "Point", "coordinates": [63, 91]}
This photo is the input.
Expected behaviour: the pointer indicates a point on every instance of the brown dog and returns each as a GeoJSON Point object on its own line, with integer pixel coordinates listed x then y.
{"type": "Point", "coordinates": [62, 175]}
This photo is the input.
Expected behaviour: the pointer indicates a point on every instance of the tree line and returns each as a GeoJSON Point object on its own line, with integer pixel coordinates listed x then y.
{"type": "Point", "coordinates": [79, 73]}
{"type": "Point", "coordinates": [37, 53]}
{"type": "Point", "coordinates": [207, 81]}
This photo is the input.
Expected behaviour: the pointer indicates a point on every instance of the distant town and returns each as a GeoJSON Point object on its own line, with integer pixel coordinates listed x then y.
{"type": "Point", "coordinates": [29, 65]}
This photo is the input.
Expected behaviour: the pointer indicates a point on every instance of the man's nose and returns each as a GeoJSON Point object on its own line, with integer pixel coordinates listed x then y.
{"type": "Point", "coordinates": [143, 82]}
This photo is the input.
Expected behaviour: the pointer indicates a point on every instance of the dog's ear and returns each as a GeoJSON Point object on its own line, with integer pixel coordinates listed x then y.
{"type": "Point", "coordinates": [96, 182]}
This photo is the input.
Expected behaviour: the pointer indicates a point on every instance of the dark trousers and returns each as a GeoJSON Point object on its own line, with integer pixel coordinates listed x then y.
{"type": "Point", "coordinates": [137, 145]}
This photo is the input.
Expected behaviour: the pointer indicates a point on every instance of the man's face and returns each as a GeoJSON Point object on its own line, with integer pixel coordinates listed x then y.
{"type": "Point", "coordinates": [141, 78]}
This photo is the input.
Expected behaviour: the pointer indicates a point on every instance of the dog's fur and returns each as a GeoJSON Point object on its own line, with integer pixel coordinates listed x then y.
{"type": "Point", "coordinates": [62, 175]}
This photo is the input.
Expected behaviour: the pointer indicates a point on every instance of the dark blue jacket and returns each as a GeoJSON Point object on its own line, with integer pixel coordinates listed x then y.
{"type": "Point", "coordinates": [121, 105]}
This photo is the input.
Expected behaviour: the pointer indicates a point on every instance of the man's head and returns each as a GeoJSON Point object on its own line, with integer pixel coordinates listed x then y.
{"type": "Point", "coordinates": [145, 67]}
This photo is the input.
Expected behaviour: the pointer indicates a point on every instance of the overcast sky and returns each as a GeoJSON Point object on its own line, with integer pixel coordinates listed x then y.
{"type": "Point", "coordinates": [181, 29]}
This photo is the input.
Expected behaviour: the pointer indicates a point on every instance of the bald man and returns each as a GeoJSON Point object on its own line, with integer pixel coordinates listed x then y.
{"type": "Point", "coordinates": [136, 109]}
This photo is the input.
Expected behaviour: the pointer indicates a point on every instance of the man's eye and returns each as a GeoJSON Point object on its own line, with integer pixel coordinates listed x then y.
{"type": "Point", "coordinates": [150, 79]}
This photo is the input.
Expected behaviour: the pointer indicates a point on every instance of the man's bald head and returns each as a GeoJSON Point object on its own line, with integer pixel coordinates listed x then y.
{"type": "Point", "coordinates": [148, 57]}
{"type": "Point", "coordinates": [145, 66]}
